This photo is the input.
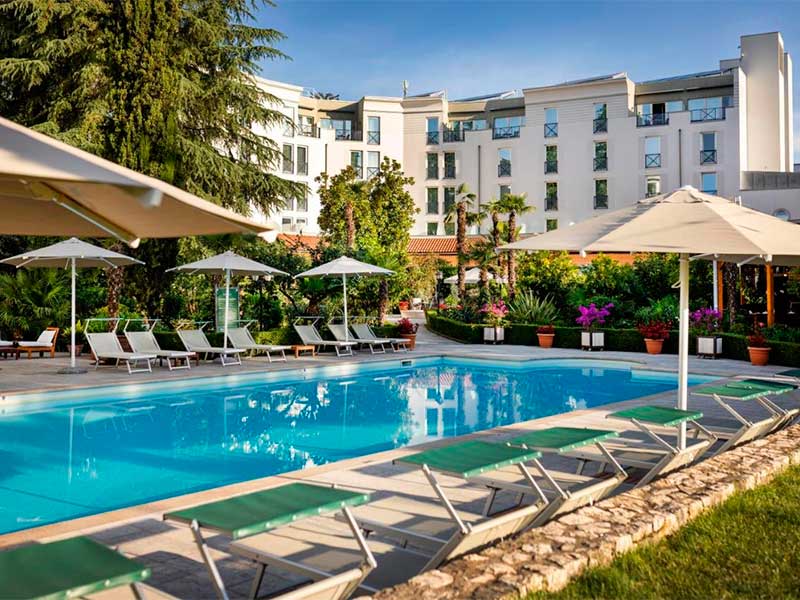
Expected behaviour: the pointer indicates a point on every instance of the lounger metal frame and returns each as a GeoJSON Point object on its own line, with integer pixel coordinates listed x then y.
{"type": "Point", "coordinates": [168, 355]}
{"type": "Point", "coordinates": [341, 348]}
{"type": "Point", "coordinates": [334, 328]}
{"type": "Point", "coordinates": [253, 347]}
{"type": "Point", "coordinates": [131, 361]}
{"type": "Point", "coordinates": [208, 349]}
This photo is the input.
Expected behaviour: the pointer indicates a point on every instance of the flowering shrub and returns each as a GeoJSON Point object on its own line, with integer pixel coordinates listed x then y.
{"type": "Point", "coordinates": [757, 339]}
{"type": "Point", "coordinates": [495, 313]}
{"type": "Point", "coordinates": [591, 315]}
{"type": "Point", "coordinates": [655, 330]}
{"type": "Point", "coordinates": [407, 326]}
{"type": "Point", "coordinates": [706, 321]}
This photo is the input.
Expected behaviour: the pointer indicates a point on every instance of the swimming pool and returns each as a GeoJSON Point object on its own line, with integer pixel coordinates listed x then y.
{"type": "Point", "coordinates": [75, 453]}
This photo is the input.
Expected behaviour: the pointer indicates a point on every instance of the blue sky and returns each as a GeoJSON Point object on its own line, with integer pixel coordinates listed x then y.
{"type": "Point", "coordinates": [469, 47]}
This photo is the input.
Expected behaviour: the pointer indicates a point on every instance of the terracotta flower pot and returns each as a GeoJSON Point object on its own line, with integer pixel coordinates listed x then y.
{"type": "Point", "coordinates": [412, 339]}
{"type": "Point", "coordinates": [546, 339]}
{"type": "Point", "coordinates": [403, 305]}
{"type": "Point", "coordinates": [653, 346]}
{"type": "Point", "coordinates": [758, 356]}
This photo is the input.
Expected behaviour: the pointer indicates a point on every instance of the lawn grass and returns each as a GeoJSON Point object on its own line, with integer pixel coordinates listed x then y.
{"type": "Point", "coordinates": [748, 547]}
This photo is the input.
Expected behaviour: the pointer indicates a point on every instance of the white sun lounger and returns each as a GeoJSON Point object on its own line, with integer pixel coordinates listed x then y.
{"type": "Point", "coordinates": [311, 337]}
{"type": "Point", "coordinates": [106, 346]}
{"type": "Point", "coordinates": [364, 332]}
{"type": "Point", "coordinates": [196, 341]}
{"type": "Point", "coordinates": [145, 342]}
{"type": "Point", "coordinates": [242, 338]}
{"type": "Point", "coordinates": [339, 331]}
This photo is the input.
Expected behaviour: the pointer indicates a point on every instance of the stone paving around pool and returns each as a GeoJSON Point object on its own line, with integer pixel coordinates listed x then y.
{"type": "Point", "coordinates": [177, 568]}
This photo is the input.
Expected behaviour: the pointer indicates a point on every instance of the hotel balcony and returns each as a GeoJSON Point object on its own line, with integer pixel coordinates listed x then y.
{"type": "Point", "coordinates": [551, 166]}
{"type": "Point", "coordinates": [308, 130]}
{"type": "Point", "coordinates": [600, 201]}
{"type": "Point", "coordinates": [600, 125]}
{"type": "Point", "coordinates": [452, 135]}
{"type": "Point", "coordinates": [601, 163]}
{"type": "Point", "coordinates": [502, 133]}
{"type": "Point", "coordinates": [551, 203]}
{"type": "Point", "coordinates": [432, 138]}
{"type": "Point", "coordinates": [708, 157]}
{"type": "Point", "coordinates": [374, 137]}
{"type": "Point", "coordinates": [550, 130]}
{"type": "Point", "coordinates": [504, 169]}
{"type": "Point", "coordinates": [652, 161]}
{"type": "Point", "coordinates": [707, 114]}
{"type": "Point", "coordinates": [652, 120]}
{"type": "Point", "coordinates": [347, 135]}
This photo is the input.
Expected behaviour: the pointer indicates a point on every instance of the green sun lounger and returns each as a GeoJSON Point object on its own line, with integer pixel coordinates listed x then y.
{"type": "Point", "coordinates": [659, 457]}
{"type": "Point", "coordinates": [70, 568]}
{"type": "Point", "coordinates": [251, 514]}
{"type": "Point", "coordinates": [565, 491]}
{"type": "Point", "coordinates": [468, 461]}
{"type": "Point", "coordinates": [748, 390]}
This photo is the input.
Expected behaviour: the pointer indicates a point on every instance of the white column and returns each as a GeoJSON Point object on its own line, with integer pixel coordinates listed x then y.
{"type": "Point", "coordinates": [683, 346]}
{"type": "Point", "coordinates": [715, 299]}
{"type": "Point", "coordinates": [346, 328]}
{"type": "Point", "coordinates": [72, 329]}
{"type": "Point", "coordinates": [227, 306]}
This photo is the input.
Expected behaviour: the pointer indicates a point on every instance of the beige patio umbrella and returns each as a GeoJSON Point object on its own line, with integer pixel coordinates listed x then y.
{"type": "Point", "coordinates": [474, 276]}
{"type": "Point", "coordinates": [52, 189]}
{"type": "Point", "coordinates": [690, 223]}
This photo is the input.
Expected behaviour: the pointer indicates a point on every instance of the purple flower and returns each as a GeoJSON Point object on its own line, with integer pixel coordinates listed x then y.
{"type": "Point", "coordinates": [591, 315]}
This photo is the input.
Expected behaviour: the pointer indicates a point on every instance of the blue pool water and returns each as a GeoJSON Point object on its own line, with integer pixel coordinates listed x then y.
{"type": "Point", "coordinates": [84, 452]}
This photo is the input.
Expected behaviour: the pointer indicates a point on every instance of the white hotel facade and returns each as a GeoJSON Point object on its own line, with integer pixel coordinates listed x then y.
{"type": "Point", "coordinates": [575, 149]}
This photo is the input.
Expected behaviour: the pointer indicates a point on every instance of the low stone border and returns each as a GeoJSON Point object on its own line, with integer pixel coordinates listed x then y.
{"type": "Point", "coordinates": [547, 557]}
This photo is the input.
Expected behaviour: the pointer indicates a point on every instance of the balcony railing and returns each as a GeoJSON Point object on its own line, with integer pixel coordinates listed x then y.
{"type": "Point", "coordinates": [374, 137]}
{"type": "Point", "coordinates": [708, 157]}
{"type": "Point", "coordinates": [432, 173]}
{"type": "Point", "coordinates": [551, 203]}
{"type": "Point", "coordinates": [308, 130]}
{"type": "Point", "coordinates": [452, 135]}
{"type": "Point", "coordinates": [359, 171]}
{"type": "Point", "coordinates": [600, 125]}
{"type": "Point", "coordinates": [652, 161]}
{"type": "Point", "coordinates": [551, 130]}
{"type": "Point", "coordinates": [601, 201]}
{"type": "Point", "coordinates": [551, 166]}
{"type": "Point", "coordinates": [601, 163]}
{"type": "Point", "coordinates": [652, 120]}
{"type": "Point", "coordinates": [449, 172]}
{"type": "Point", "coordinates": [432, 138]}
{"type": "Point", "coordinates": [504, 169]}
{"type": "Point", "coordinates": [372, 171]}
{"type": "Point", "coordinates": [502, 133]}
{"type": "Point", "coordinates": [347, 134]}
{"type": "Point", "coordinates": [302, 168]}
{"type": "Point", "coordinates": [707, 114]}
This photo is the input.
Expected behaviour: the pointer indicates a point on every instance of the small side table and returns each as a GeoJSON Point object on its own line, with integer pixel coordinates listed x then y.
{"type": "Point", "coordinates": [298, 348]}
{"type": "Point", "coordinates": [6, 350]}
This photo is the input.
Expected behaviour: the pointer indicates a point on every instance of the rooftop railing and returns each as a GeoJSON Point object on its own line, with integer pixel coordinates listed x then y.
{"type": "Point", "coordinates": [652, 120]}
{"type": "Point", "coordinates": [502, 133]}
{"type": "Point", "coordinates": [707, 114]}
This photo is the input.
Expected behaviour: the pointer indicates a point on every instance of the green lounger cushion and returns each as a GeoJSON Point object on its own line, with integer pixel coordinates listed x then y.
{"type": "Point", "coordinates": [246, 515]}
{"type": "Point", "coordinates": [731, 392]}
{"type": "Point", "coordinates": [469, 459]}
{"type": "Point", "coordinates": [658, 415]}
{"type": "Point", "coordinates": [790, 373]}
{"type": "Point", "coordinates": [562, 439]}
{"type": "Point", "coordinates": [65, 569]}
{"type": "Point", "coordinates": [767, 386]}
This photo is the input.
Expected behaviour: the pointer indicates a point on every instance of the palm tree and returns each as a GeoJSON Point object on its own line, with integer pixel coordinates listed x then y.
{"type": "Point", "coordinates": [513, 205]}
{"type": "Point", "coordinates": [484, 255]}
{"type": "Point", "coordinates": [324, 95]}
{"type": "Point", "coordinates": [458, 212]}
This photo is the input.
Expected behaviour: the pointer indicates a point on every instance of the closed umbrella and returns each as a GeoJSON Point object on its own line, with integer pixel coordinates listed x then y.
{"type": "Point", "coordinates": [229, 263]}
{"type": "Point", "coordinates": [690, 223]}
{"type": "Point", "coordinates": [53, 189]}
{"type": "Point", "coordinates": [474, 276]}
{"type": "Point", "coordinates": [344, 266]}
{"type": "Point", "coordinates": [71, 254]}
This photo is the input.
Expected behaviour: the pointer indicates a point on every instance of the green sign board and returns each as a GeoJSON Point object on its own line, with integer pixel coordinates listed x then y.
{"type": "Point", "coordinates": [233, 307]}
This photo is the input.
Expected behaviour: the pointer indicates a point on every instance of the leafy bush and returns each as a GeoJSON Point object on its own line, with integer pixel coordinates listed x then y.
{"type": "Point", "coordinates": [529, 308]}
{"type": "Point", "coordinates": [548, 274]}
{"type": "Point", "coordinates": [606, 277]}
{"type": "Point", "coordinates": [664, 309]}
{"type": "Point", "coordinates": [31, 300]}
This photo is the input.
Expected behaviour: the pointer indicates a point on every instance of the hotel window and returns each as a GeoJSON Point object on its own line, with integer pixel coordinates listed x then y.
{"type": "Point", "coordinates": [373, 163]}
{"type": "Point", "coordinates": [288, 158]}
{"type": "Point", "coordinates": [286, 224]}
{"type": "Point", "coordinates": [356, 161]}
{"type": "Point", "coordinates": [709, 109]}
{"type": "Point", "coordinates": [652, 186]}
{"type": "Point", "coordinates": [550, 122]}
{"type": "Point", "coordinates": [601, 156]}
{"type": "Point", "coordinates": [449, 165]}
{"type": "Point", "coordinates": [450, 228]}
{"type": "Point", "coordinates": [302, 203]}
{"type": "Point", "coordinates": [474, 125]}
{"type": "Point", "coordinates": [708, 153]}
{"type": "Point", "coordinates": [600, 193]}
{"type": "Point", "coordinates": [708, 183]}
{"type": "Point", "coordinates": [674, 106]}
{"type": "Point", "coordinates": [505, 190]}
{"type": "Point", "coordinates": [432, 171]}
{"type": "Point", "coordinates": [302, 160]}
{"type": "Point", "coordinates": [551, 195]}
{"type": "Point", "coordinates": [373, 130]}
{"type": "Point", "coordinates": [433, 201]}
{"type": "Point", "coordinates": [288, 127]}
{"type": "Point", "coordinates": [649, 115]}
{"type": "Point", "coordinates": [300, 223]}
{"type": "Point", "coordinates": [432, 130]}
{"type": "Point", "coordinates": [507, 127]}
{"type": "Point", "coordinates": [433, 228]}
{"type": "Point", "coordinates": [449, 198]}
{"type": "Point", "coordinates": [551, 159]}
{"type": "Point", "coordinates": [306, 126]}
{"type": "Point", "coordinates": [652, 152]}
{"type": "Point", "coordinates": [600, 123]}
{"type": "Point", "coordinates": [504, 162]}
{"type": "Point", "coordinates": [343, 128]}
{"type": "Point", "coordinates": [551, 224]}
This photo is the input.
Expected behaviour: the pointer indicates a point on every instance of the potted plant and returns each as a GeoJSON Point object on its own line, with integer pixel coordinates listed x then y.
{"type": "Point", "coordinates": [590, 317]}
{"type": "Point", "coordinates": [758, 347]}
{"type": "Point", "coordinates": [495, 316]}
{"type": "Point", "coordinates": [654, 333]}
{"type": "Point", "coordinates": [546, 335]}
{"type": "Point", "coordinates": [706, 325]}
{"type": "Point", "coordinates": [80, 339]}
{"type": "Point", "coordinates": [408, 330]}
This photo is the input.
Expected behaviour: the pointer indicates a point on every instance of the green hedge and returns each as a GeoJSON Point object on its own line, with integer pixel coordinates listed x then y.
{"type": "Point", "coordinates": [623, 340]}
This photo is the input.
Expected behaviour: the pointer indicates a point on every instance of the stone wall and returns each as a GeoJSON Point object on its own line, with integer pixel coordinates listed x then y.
{"type": "Point", "coordinates": [547, 557]}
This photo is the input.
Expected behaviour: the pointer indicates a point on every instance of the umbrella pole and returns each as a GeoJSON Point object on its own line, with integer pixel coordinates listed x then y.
{"type": "Point", "coordinates": [683, 347]}
{"type": "Point", "coordinates": [346, 328]}
{"type": "Point", "coordinates": [72, 328]}
{"type": "Point", "coordinates": [227, 306]}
